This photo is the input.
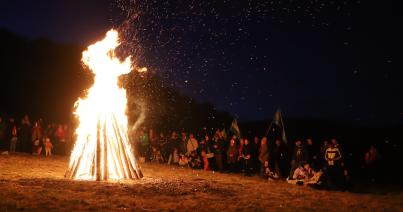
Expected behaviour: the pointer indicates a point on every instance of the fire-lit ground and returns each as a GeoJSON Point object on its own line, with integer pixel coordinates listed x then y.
{"type": "Point", "coordinates": [37, 183]}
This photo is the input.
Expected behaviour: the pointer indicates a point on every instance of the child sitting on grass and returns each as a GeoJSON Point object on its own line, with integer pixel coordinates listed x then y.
{"type": "Point", "coordinates": [36, 147]}
{"type": "Point", "coordinates": [268, 174]}
{"type": "Point", "coordinates": [157, 156]}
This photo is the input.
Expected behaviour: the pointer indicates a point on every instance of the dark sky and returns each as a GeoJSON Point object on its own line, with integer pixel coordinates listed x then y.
{"type": "Point", "coordinates": [338, 60]}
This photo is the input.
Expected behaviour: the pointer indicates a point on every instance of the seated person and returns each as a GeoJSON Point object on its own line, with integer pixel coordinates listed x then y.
{"type": "Point", "coordinates": [194, 161]}
{"type": "Point", "coordinates": [36, 147]}
{"type": "Point", "coordinates": [174, 157]}
{"type": "Point", "coordinates": [183, 160]}
{"type": "Point", "coordinates": [156, 156]}
{"type": "Point", "coordinates": [268, 174]}
{"type": "Point", "coordinates": [305, 175]}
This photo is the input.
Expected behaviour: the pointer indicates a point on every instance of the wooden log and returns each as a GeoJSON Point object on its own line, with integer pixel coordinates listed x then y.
{"type": "Point", "coordinates": [105, 153]}
{"type": "Point", "coordinates": [132, 173]}
{"type": "Point", "coordinates": [98, 152]}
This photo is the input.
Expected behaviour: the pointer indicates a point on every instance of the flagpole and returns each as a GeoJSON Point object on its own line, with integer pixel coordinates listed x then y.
{"type": "Point", "coordinates": [283, 128]}
{"type": "Point", "coordinates": [268, 130]}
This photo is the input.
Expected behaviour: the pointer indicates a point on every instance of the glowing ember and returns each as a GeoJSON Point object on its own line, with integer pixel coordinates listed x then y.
{"type": "Point", "coordinates": [102, 150]}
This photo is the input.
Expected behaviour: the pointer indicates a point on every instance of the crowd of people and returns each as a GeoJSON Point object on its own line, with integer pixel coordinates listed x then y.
{"type": "Point", "coordinates": [35, 138]}
{"type": "Point", "coordinates": [300, 162]}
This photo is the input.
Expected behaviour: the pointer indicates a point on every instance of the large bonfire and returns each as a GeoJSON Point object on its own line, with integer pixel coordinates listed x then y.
{"type": "Point", "coordinates": [102, 150]}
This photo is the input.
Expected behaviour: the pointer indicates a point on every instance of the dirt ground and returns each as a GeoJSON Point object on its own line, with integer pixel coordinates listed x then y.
{"type": "Point", "coordinates": [37, 184]}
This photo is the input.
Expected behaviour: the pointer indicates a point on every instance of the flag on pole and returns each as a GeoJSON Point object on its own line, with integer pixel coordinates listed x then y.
{"type": "Point", "coordinates": [276, 128]}
{"type": "Point", "coordinates": [224, 134]}
{"type": "Point", "coordinates": [234, 129]}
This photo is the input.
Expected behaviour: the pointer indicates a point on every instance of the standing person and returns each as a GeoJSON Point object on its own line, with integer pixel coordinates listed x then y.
{"type": "Point", "coordinates": [310, 151]}
{"type": "Point", "coordinates": [210, 153]}
{"type": "Point", "coordinates": [334, 170]}
{"type": "Point", "coordinates": [48, 147]}
{"type": "Point", "coordinates": [324, 147]}
{"type": "Point", "coordinates": [263, 155]}
{"type": "Point", "coordinates": [183, 143]}
{"type": "Point", "coordinates": [256, 163]}
{"type": "Point", "coordinates": [224, 146]}
{"type": "Point", "coordinates": [299, 155]}
{"type": "Point", "coordinates": [203, 153]}
{"type": "Point", "coordinates": [205, 150]}
{"type": "Point", "coordinates": [174, 146]}
{"type": "Point", "coordinates": [217, 149]}
{"type": "Point", "coordinates": [67, 139]}
{"type": "Point", "coordinates": [240, 147]}
{"type": "Point", "coordinates": [336, 144]}
{"type": "Point", "coordinates": [60, 135]}
{"type": "Point", "coordinates": [37, 138]}
{"type": "Point", "coordinates": [37, 132]}
{"type": "Point", "coordinates": [144, 145]}
{"type": "Point", "coordinates": [163, 146]}
{"type": "Point", "coordinates": [203, 145]}
{"type": "Point", "coordinates": [13, 133]}
{"type": "Point", "coordinates": [280, 158]}
{"type": "Point", "coordinates": [153, 139]}
{"type": "Point", "coordinates": [246, 157]}
{"type": "Point", "coordinates": [3, 129]}
{"type": "Point", "coordinates": [24, 135]}
{"type": "Point", "coordinates": [176, 141]}
{"type": "Point", "coordinates": [322, 156]}
{"type": "Point", "coordinates": [312, 157]}
{"type": "Point", "coordinates": [371, 161]}
{"type": "Point", "coordinates": [205, 163]}
{"type": "Point", "coordinates": [232, 155]}
{"type": "Point", "coordinates": [192, 145]}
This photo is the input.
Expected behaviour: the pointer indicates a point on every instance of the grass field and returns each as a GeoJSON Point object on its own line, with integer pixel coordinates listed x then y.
{"type": "Point", "coordinates": [37, 184]}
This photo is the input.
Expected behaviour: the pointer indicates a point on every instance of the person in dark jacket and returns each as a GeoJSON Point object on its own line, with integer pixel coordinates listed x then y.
{"type": "Point", "coordinates": [310, 151]}
{"type": "Point", "coordinates": [299, 156]}
{"type": "Point", "coordinates": [183, 143]}
{"type": "Point", "coordinates": [163, 146]}
{"type": "Point", "coordinates": [232, 156]}
{"type": "Point", "coordinates": [173, 146]}
{"type": "Point", "coordinates": [3, 135]}
{"type": "Point", "coordinates": [209, 151]}
{"type": "Point", "coordinates": [312, 154]}
{"type": "Point", "coordinates": [202, 145]}
{"type": "Point", "coordinates": [13, 136]}
{"type": "Point", "coordinates": [256, 163]}
{"type": "Point", "coordinates": [24, 135]}
{"type": "Point", "coordinates": [217, 149]}
{"type": "Point", "coordinates": [279, 158]}
{"type": "Point", "coordinates": [245, 157]}
{"type": "Point", "coordinates": [372, 163]}
{"type": "Point", "coordinates": [322, 155]}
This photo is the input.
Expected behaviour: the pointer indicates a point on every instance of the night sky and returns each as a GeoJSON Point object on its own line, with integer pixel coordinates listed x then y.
{"type": "Point", "coordinates": [337, 60]}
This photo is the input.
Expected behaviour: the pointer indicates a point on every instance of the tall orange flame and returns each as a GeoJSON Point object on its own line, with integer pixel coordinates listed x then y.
{"type": "Point", "coordinates": [102, 150]}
